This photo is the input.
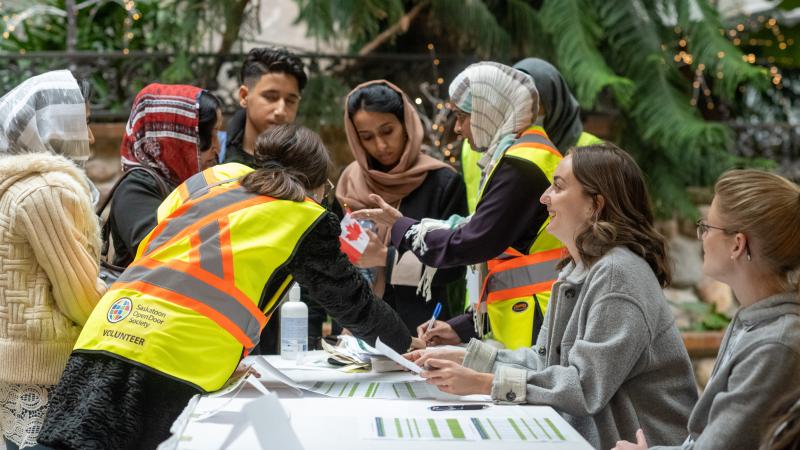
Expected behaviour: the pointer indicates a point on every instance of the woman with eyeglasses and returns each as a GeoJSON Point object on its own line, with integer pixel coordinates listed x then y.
{"type": "Point", "coordinates": [751, 241]}
{"type": "Point", "coordinates": [229, 242]}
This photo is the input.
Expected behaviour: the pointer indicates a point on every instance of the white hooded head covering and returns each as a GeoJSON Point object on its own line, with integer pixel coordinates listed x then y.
{"type": "Point", "coordinates": [501, 101]}
{"type": "Point", "coordinates": [46, 113]}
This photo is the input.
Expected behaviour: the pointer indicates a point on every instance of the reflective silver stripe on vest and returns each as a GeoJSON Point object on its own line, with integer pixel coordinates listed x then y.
{"type": "Point", "coordinates": [195, 183]}
{"type": "Point", "coordinates": [523, 276]}
{"type": "Point", "coordinates": [200, 291]}
{"type": "Point", "coordinates": [196, 212]}
{"type": "Point", "coordinates": [211, 249]}
{"type": "Point", "coordinates": [533, 138]}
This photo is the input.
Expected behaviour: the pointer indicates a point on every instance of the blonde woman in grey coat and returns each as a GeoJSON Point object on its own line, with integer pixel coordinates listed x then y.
{"type": "Point", "coordinates": [751, 241]}
{"type": "Point", "coordinates": [609, 357]}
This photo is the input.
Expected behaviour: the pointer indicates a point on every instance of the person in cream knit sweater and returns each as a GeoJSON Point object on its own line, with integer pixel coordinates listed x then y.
{"type": "Point", "coordinates": [49, 245]}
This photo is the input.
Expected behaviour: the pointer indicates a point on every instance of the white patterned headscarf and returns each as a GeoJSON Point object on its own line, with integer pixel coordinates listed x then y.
{"type": "Point", "coordinates": [501, 101]}
{"type": "Point", "coordinates": [46, 113]}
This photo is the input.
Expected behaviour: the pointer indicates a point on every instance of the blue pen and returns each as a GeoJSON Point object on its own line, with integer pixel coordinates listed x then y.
{"type": "Point", "coordinates": [436, 311]}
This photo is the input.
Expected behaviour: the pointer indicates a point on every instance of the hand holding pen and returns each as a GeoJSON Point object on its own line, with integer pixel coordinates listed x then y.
{"type": "Point", "coordinates": [437, 332]}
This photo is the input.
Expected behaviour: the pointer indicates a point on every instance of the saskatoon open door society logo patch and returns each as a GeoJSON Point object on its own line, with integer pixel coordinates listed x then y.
{"type": "Point", "coordinates": [120, 309]}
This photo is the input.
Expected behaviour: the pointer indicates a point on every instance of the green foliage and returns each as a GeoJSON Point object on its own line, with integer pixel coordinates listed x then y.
{"type": "Point", "coordinates": [673, 143]}
{"type": "Point", "coordinates": [703, 316]}
{"type": "Point", "coordinates": [477, 26]}
{"type": "Point", "coordinates": [577, 35]}
{"type": "Point", "coordinates": [316, 114]}
{"type": "Point", "coordinates": [172, 26]}
{"type": "Point", "coordinates": [707, 44]}
{"type": "Point", "coordinates": [356, 20]}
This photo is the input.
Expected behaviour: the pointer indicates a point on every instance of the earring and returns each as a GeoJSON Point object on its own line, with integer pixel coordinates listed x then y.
{"type": "Point", "coordinates": [749, 258]}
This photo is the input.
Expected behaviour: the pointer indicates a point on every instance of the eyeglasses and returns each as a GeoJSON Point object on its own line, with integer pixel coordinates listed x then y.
{"type": "Point", "coordinates": [702, 229]}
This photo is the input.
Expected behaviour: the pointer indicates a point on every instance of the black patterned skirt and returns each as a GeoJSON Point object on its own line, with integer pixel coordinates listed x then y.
{"type": "Point", "coordinates": [102, 402]}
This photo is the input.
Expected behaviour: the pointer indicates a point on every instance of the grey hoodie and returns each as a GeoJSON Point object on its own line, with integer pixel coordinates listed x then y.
{"type": "Point", "coordinates": [609, 357]}
{"type": "Point", "coordinates": [758, 362]}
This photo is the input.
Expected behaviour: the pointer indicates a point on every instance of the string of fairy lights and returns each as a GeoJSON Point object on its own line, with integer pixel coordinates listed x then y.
{"type": "Point", "coordinates": [741, 35]}
{"type": "Point", "coordinates": [440, 112]}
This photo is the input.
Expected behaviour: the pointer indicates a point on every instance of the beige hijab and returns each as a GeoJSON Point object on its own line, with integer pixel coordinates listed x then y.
{"type": "Point", "coordinates": [358, 180]}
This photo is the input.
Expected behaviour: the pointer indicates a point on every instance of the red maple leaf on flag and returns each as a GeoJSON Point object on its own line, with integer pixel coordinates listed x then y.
{"type": "Point", "coordinates": [353, 231]}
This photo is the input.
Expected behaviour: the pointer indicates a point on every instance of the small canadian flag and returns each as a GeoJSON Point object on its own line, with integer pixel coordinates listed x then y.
{"type": "Point", "coordinates": [353, 238]}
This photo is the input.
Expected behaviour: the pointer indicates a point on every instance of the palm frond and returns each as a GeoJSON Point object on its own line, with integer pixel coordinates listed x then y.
{"type": "Point", "coordinates": [525, 27]}
{"type": "Point", "coordinates": [575, 35]}
{"type": "Point", "coordinates": [712, 49]}
{"type": "Point", "coordinates": [475, 21]}
{"type": "Point", "coordinates": [317, 15]}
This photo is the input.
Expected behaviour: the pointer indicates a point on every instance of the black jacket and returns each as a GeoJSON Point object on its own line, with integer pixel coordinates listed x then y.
{"type": "Point", "coordinates": [441, 195]}
{"type": "Point", "coordinates": [133, 214]}
{"type": "Point", "coordinates": [234, 146]}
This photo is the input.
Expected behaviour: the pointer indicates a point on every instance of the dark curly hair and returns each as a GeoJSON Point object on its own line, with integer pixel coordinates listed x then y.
{"type": "Point", "coordinates": [626, 218]}
{"type": "Point", "coordinates": [263, 60]}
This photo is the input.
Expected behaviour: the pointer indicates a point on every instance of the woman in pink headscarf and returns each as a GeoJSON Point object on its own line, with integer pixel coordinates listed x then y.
{"type": "Point", "coordinates": [385, 135]}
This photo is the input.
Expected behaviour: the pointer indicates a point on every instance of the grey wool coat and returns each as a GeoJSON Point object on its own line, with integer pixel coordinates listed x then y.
{"type": "Point", "coordinates": [609, 357]}
{"type": "Point", "coordinates": [758, 362]}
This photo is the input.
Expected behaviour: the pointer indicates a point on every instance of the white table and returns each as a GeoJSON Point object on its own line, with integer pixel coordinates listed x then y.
{"type": "Point", "coordinates": [327, 423]}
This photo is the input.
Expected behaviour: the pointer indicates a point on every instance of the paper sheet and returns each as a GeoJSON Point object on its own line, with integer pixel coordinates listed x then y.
{"type": "Point", "coordinates": [396, 357]}
{"type": "Point", "coordinates": [441, 427]}
{"type": "Point", "coordinates": [262, 365]}
{"type": "Point", "coordinates": [376, 389]}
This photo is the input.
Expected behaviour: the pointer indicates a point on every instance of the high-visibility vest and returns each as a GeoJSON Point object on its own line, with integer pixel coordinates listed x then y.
{"type": "Point", "coordinates": [472, 172]}
{"type": "Point", "coordinates": [516, 290]}
{"type": "Point", "coordinates": [587, 139]}
{"type": "Point", "coordinates": [190, 305]}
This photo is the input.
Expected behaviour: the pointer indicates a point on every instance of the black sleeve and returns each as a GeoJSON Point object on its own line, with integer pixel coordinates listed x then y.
{"type": "Point", "coordinates": [320, 267]}
{"type": "Point", "coordinates": [316, 313]}
{"type": "Point", "coordinates": [508, 213]}
{"type": "Point", "coordinates": [134, 211]}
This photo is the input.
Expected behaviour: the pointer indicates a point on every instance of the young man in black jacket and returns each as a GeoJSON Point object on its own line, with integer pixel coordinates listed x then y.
{"type": "Point", "coordinates": [271, 82]}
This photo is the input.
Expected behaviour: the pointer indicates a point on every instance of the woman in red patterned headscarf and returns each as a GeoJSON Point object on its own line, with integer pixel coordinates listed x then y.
{"type": "Point", "coordinates": [172, 133]}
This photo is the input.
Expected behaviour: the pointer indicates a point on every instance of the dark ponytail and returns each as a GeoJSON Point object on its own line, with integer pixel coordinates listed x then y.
{"type": "Point", "coordinates": [290, 160]}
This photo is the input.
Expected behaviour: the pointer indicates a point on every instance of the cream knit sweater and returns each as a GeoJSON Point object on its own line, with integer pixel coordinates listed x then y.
{"type": "Point", "coordinates": [49, 248]}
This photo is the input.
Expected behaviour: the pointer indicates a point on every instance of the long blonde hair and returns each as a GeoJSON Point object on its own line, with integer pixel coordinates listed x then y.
{"type": "Point", "coordinates": [766, 208]}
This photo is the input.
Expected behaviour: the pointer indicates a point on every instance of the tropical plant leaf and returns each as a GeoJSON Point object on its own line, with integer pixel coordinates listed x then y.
{"type": "Point", "coordinates": [477, 23]}
{"type": "Point", "coordinates": [576, 37]}
{"type": "Point", "coordinates": [709, 47]}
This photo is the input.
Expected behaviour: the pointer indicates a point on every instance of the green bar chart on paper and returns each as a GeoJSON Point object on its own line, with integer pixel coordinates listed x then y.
{"type": "Point", "coordinates": [411, 428]}
{"type": "Point", "coordinates": [500, 428]}
{"type": "Point", "coordinates": [373, 389]}
{"type": "Point", "coordinates": [517, 429]}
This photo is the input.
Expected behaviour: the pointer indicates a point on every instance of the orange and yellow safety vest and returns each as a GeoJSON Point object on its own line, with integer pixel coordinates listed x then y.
{"type": "Point", "coordinates": [190, 305]}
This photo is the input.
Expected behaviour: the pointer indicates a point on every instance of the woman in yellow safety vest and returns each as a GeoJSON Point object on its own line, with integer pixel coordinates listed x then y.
{"type": "Point", "coordinates": [496, 107]}
{"type": "Point", "coordinates": [229, 242]}
{"type": "Point", "coordinates": [559, 115]}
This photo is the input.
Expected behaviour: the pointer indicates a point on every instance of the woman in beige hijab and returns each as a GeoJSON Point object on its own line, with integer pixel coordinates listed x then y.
{"type": "Point", "coordinates": [385, 135]}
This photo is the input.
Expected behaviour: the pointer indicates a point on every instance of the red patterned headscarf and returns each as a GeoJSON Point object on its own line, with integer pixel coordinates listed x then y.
{"type": "Point", "coordinates": [162, 131]}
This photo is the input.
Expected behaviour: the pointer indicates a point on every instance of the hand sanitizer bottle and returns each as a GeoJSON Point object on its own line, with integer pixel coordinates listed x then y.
{"type": "Point", "coordinates": [294, 326]}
